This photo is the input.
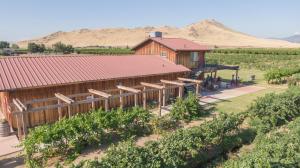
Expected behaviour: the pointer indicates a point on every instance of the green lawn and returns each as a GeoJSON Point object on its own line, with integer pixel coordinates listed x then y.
{"type": "Point", "coordinates": [241, 103]}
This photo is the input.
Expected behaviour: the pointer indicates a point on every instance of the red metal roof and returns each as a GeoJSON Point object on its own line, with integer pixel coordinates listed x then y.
{"type": "Point", "coordinates": [177, 44]}
{"type": "Point", "coordinates": [29, 71]}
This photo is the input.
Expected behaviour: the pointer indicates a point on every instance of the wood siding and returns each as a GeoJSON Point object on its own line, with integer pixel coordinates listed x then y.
{"type": "Point", "coordinates": [184, 58]}
{"type": "Point", "coordinates": [49, 116]}
{"type": "Point", "coordinates": [180, 57]}
{"type": "Point", "coordinates": [154, 48]}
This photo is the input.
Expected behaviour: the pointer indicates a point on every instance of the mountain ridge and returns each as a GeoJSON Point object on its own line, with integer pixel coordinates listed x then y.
{"type": "Point", "coordinates": [209, 32]}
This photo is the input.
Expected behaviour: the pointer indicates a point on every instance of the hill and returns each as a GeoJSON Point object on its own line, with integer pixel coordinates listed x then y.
{"type": "Point", "coordinates": [209, 32]}
{"type": "Point", "coordinates": [293, 39]}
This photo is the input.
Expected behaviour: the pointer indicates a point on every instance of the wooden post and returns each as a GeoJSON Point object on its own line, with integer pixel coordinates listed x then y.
{"type": "Point", "coordinates": [135, 100]}
{"type": "Point", "coordinates": [93, 102]}
{"type": "Point", "coordinates": [106, 104]}
{"type": "Point", "coordinates": [197, 89]}
{"type": "Point", "coordinates": [22, 109]}
{"type": "Point", "coordinates": [24, 123]}
{"type": "Point", "coordinates": [180, 95]}
{"type": "Point", "coordinates": [121, 99]}
{"type": "Point", "coordinates": [144, 98]}
{"type": "Point", "coordinates": [159, 102]}
{"type": "Point", "coordinates": [59, 109]}
{"type": "Point", "coordinates": [69, 111]}
{"type": "Point", "coordinates": [164, 95]}
{"type": "Point", "coordinates": [19, 126]}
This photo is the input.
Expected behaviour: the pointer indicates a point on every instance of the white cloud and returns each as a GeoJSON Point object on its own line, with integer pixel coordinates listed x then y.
{"type": "Point", "coordinates": [297, 33]}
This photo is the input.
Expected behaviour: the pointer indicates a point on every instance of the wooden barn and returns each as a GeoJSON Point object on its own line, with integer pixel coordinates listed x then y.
{"type": "Point", "coordinates": [39, 84]}
{"type": "Point", "coordinates": [178, 50]}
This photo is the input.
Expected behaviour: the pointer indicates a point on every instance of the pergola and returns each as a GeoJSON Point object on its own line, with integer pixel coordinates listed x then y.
{"type": "Point", "coordinates": [23, 109]}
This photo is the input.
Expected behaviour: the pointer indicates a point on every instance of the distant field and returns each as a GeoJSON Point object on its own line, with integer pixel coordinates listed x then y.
{"type": "Point", "coordinates": [104, 51]}
{"type": "Point", "coordinates": [261, 59]}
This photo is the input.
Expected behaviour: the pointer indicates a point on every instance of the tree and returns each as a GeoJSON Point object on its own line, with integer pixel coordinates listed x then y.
{"type": "Point", "coordinates": [62, 48]}
{"type": "Point", "coordinates": [15, 46]}
{"type": "Point", "coordinates": [36, 48]}
{"type": "Point", "coordinates": [4, 44]}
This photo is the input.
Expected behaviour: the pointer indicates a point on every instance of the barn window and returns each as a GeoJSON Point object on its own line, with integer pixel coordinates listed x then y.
{"type": "Point", "coordinates": [194, 58]}
{"type": "Point", "coordinates": [163, 54]}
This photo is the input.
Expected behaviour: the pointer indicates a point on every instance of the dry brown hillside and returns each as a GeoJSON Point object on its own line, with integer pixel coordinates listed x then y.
{"type": "Point", "coordinates": [208, 32]}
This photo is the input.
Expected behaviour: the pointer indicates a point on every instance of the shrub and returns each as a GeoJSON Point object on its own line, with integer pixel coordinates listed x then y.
{"type": "Point", "coordinates": [182, 148]}
{"type": "Point", "coordinates": [36, 48]}
{"type": "Point", "coordinates": [187, 109]}
{"type": "Point", "coordinates": [68, 137]}
{"type": "Point", "coordinates": [275, 109]}
{"type": "Point", "coordinates": [163, 124]}
{"type": "Point", "coordinates": [278, 149]}
{"type": "Point", "coordinates": [62, 48]}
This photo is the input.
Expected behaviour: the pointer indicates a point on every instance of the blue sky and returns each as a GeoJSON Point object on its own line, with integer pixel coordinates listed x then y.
{"type": "Point", "coordinates": [25, 19]}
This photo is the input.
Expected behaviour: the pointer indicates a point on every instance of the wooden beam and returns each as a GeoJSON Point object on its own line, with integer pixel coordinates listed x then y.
{"type": "Point", "coordinates": [172, 82]}
{"type": "Point", "coordinates": [190, 80]}
{"type": "Point", "coordinates": [129, 89]}
{"type": "Point", "coordinates": [64, 98]}
{"type": "Point", "coordinates": [152, 85]}
{"type": "Point", "coordinates": [100, 93]}
{"type": "Point", "coordinates": [19, 107]}
{"type": "Point", "coordinates": [21, 104]}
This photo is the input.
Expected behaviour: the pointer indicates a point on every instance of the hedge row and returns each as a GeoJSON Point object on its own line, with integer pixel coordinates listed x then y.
{"type": "Point", "coordinates": [68, 137]}
{"type": "Point", "coordinates": [278, 149]}
{"type": "Point", "coordinates": [104, 51]}
{"type": "Point", "coordinates": [182, 148]}
{"type": "Point", "coordinates": [274, 110]}
{"type": "Point", "coordinates": [273, 51]}
{"type": "Point", "coordinates": [278, 75]}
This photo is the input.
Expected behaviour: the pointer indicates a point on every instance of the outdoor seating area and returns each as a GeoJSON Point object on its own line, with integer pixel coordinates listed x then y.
{"type": "Point", "coordinates": [212, 82]}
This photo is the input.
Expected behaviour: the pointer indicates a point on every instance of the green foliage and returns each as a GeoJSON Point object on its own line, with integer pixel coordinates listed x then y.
{"type": "Point", "coordinates": [262, 59]}
{"type": "Point", "coordinates": [68, 137]}
{"type": "Point", "coordinates": [274, 110]}
{"type": "Point", "coordinates": [15, 46]}
{"type": "Point", "coordinates": [62, 48]}
{"type": "Point", "coordinates": [276, 75]}
{"type": "Point", "coordinates": [104, 51]}
{"type": "Point", "coordinates": [256, 51]}
{"type": "Point", "coordinates": [277, 149]}
{"type": "Point", "coordinates": [36, 48]}
{"type": "Point", "coordinates": [4, 44]}
{"type": "Point", "coordinates": [187, 109]}
{"type": "Point", "coordinates": [182, 148]}
{"type": "Point", "coordinates": [163, 124]}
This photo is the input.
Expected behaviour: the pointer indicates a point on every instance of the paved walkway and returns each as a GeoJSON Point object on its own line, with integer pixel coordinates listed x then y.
{"type": "Point", "coordinates": [220, 95]}
{"type": "Point", "coordinates": [212, 97]}
{"type": "Point", "coordinates": [8, 145]}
